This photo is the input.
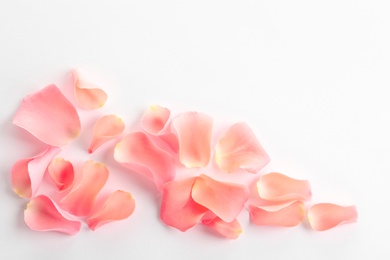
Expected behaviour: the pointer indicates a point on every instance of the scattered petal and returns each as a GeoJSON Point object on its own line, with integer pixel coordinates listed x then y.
{"type": "Point", "coordinates": [155, 119]}
{"type": "Point", "coordinates": [118, 206]}
{"type": "Point", "coordinates": [42, 214]}
{"type": "Point", "coordinates": [230, 230]}
{"type": "Point", "coordinates": [105, 129]}
{"type": "Point", "coordinates": [194, 134]}
{"type": "Point", "coordinates": [239, 148]}
{"type": "Point", "coordinates": [62, 173]}
{"type": "Point", "coordinates": [49, 116]}
{"type": "Point", "coordinates": [324, 216]}
{"type": "Point", "coordinates": [27, 174]}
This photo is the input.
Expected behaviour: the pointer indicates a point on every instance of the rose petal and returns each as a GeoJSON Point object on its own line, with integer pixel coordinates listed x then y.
{"type": "Point", "coordinates": [226, 200]}
{"type": "Point", "coordinates": [27, 174]}
{"type": "Point", "coordinates": [155, 119]}
{"type": "Point", "coordinates": [118, 206]}
{"type": "Point", "coordinates": [324, 216]}
{"type": "Point", "coordinates": [81, 197]}
{"type": "Point", "coordinates": [62, 173]}
{"type": "Point", "coordinates": [42, 214]}
{"type": "Point", "coordinates": [49, 116]}
{"type": "Point", "coordinates": [178, 209]}
{"type": "Point", "coordinates": [288, 216]}
{"type": "Point", "coordinates": [105, 129]}
{"type": "Point", "coordinates": [88, 95]}
{"type": "Point", "coordinates": [278, 187]}
{"type": "Point", "coordinates": [194, 134]}
{"type": "Point", "coordinates": [230, 230]}
{"type": "Point", "coordinates": [137, 152]}
{"type": "Point", "coordinates": [239, 148]}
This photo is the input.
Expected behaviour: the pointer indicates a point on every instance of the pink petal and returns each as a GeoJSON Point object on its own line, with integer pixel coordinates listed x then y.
{"type": "Point", "coordinates": [226, 200]}
{"type": "Point", "coordinates": [230, 230]}
{"type": "Point", "coordinates": [155, 119]}
{"type": "Point", "coordinates": [62, 173]}
{"type": "Point", "coordinates": [105, 129]}
{"type": "Point", "coordinates": [118, 206]}
{"type": "Point", "coordinates": [278, 187]}
{"type": "Point", "coordinates": [42, 214]}
{"type": "Point", "coordinates": [81, 197]}
{"type": "Point", "coordinates": [194, 134]}
{"type": "Point", "coordinates": [49, 116]}
{"type": "Point", "coordinates": [88, 95]}
{"type": "Point", "coordinates": [138, 153]}
{"type": "Point", "coordinates": [27, 174]}
{"type": "Point", "coordinates": [239, 148]}
{"type": "Point", "coordinates": [324, 216]}
{"type": "Point", "coordinates": [288, 216]}
{"type": "Point", "coordinates": [178, 209]}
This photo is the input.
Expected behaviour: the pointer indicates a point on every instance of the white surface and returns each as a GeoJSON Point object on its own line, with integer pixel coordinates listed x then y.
{"type": "Point", "coordinates": [310, 77]}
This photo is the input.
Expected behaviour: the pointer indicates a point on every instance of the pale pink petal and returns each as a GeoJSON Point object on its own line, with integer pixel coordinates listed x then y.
{"type": "Point", "coordinates": [42, 214]}
{"type": "Point", "coordinates": [81, 198]}
{"type": "Point", "coordinates": [278, 187]}
{"type": "Point", "coordinates": [88, 95]}
{"type": "Point", "coordinates": [194, 134]}
{"type": "Point", "coordinates": [27, 174]}
{"type": "Point", "coordinates": [288, 216]}
{"type": "Point", "coordinates": [137, 152]}
{"type": "Point", "coordinates": [324, 216]}
{"type": "Point", "coordinates": [49, 116]}
{"type": "Point", "coordinates": [118, 206]}
{"type": "Point", "coordinates": [155, 119]}
{"type": "Point", "coordinates": [239, 148]}
{"type": "Point", "coordinates": [105, 129]}
{"type": "Point", "coordinates": [178, 209]}
{"type": "Point", "coordinates": [62, 173]}
{"type": "Point", "coordinates": [226, 200]}
{"type": "Point", "coordinates": [230, 230]}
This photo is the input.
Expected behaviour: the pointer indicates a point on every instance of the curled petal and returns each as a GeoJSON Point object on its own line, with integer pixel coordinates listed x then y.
{"type": "Point", "coordinates": [239, 148]}
{"type": "Point", "coordinates": [288, 216]}
{"type": "Point", "coordinates": [42, 214]}
{"type": "Point", "coordinates": [81, 198]}
{"type": "Point", "coordinates": [178, 209]}
{"type": "Point", "coordinates": [88, 95]}
{"type": "Point", "coordinates": [194, 134]}
{"type": "Point", "coordinates": [324, 216]}
{"type": "Point", "coordinates": [62, 173]}
{"type": "Point", "coordinates": [137, 152]}
{"type": "Point", "coordinates": [105, 129]}
{"type": "Point", "coordinates": [155, 119]}
{"type": "Point", "coordinates": [224, 199]}
{"type": "Point", "coordinates": [118, 206]}
{"type": "Point", "coordinates": [230, 230]}
{"type": "Point", "coordinates": [278, 187]}
{"type": "Point", "coordinates": [27, 174]}
{"type": "Point", "coordinates": [49, 116]}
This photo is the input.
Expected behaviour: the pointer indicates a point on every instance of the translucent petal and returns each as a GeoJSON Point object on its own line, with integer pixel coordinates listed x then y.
{"type": "Point", "coordinates": [324, 216]}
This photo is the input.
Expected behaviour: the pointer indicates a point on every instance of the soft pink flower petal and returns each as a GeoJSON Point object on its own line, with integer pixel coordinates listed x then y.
{"type": "Point", "coordinates": [118, 206]}
{"type": "Point", "coordinates": [155, 119]}
{"type": "Point", "coordinates": [178, 209]}
{"type": "Point", "coordinates": [324, 216]}
{"type": "Point", "coordinates": [194, 134]}
{"type": "Point", "coordinates": [27, 174]}
{"type": "Point", "coordinates": [239, 148]}
{"type": "Point", "coordinates": [288, 216]}
{"type": "Point", "coordinates": [42, 214]}
{"type": "Point", "coordinates": [105, 129]}
{"type": "Point", "coordinates": [230, 230]}
{"type": "Point", "coordinates": [278, 187]}
{"type": "Point", "coordinates": [49, 116]}
{"type": "Point", "coordinates": [226, 200]}
{"type": "Point", "coordinates": [62, 173]}
{"type": "Point", "coordinates": [81, 198]}
{"type": "Point", "coordinates": [88, 95]}
{"type": "Point", "coordinates": [137, 152]}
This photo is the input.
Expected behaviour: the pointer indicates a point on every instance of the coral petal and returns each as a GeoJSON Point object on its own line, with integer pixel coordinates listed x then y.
{"type": "Point", "coordinates": [155, 119]}
{"type": "Point", "coordinates": [324, 216]}
{"type": "Point", "coordinates": [27, 174]}
{"type": "Point", "coordinates": [49, 116]}
{"type": "Point", "coordinates": [118, 206]}
{"type": "Point", "coordinates": [81, 198]}
{"type": "Point", "coordinates": [226, 200]}
{"type": "Point", "coordinates": [62, 173]}
{"type": "Point", "coordinates": [230, 230]}
{"type": "Point", "coordinates": [194, 134]}
{"type": "Point", "coordinates": [42, 214]}
{"type": "Point", "coordinates": [239, 148]}
{"type": "Point", "coordinates": [105, 129]}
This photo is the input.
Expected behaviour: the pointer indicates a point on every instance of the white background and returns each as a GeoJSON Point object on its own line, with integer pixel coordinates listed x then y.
{"type": "Point", "coordinates": [310, 77]}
